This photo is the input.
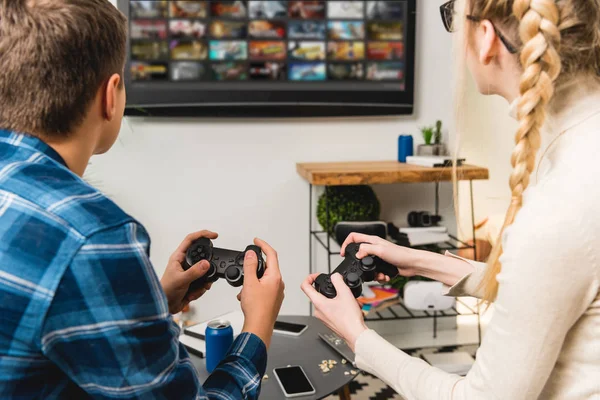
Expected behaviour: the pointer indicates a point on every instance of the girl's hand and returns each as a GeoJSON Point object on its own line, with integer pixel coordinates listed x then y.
{"type": "Point", "coordinates": [341, 314]}
{"type": "Point", "coordinates": [401, 257]}
{"type": "Point", "coordinates": [410, 262]}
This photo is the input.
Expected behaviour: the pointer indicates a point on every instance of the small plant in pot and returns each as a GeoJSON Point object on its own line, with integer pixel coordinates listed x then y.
{"type": "Point", "coordinates": [427, 148]}
{"type": "Point", "coordinates": [432, 136]}
{"type": "Point", "coordinates": [439, 149]}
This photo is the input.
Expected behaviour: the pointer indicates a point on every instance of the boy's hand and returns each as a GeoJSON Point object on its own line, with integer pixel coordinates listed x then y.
{"type": "Point", "coordinates": [261, 299]}
{"type": "Point", "coordinates": [176, 282]}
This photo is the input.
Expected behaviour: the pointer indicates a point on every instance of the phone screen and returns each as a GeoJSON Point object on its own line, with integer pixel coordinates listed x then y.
{"type": "Point", "coordinates": [294, 381]}
{"type": "Point", "coordinates": [289, 327]}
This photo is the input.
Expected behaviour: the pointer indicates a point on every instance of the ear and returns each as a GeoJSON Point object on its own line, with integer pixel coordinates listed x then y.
{"type": "Point", "coordinates": [489, 43]}
{"type": "Point", "coordinates": [111, 93]}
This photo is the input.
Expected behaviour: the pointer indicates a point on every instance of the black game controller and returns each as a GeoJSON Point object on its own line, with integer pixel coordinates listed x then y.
{"type": "Point", "coordinates": [228, 264]}
{"type": "Point", "coordinates": [354, 271]}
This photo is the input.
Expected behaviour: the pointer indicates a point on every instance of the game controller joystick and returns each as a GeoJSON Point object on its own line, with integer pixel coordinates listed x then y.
{"type": "Point", "coordinates": [226, 264]}
{"type": "Point", "coordinates": [355, 271]}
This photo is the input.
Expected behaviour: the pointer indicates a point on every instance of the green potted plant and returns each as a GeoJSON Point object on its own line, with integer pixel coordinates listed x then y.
{"type": "Point", "coordinates": [347, 203]}
{"type": "Point", "coordinates": [439, 149]}
{"type": "Point", "coordinates": [427, 148]}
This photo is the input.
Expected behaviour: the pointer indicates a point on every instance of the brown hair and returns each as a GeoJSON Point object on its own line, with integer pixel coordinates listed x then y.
{"type": "Point", "coordinates": [54, 57]}
{"type": "Point", "coordinates": [559, 39]}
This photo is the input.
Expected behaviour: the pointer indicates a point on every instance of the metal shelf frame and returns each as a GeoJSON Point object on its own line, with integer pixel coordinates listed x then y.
{"type": "Point", "coordinates": [323, 239]}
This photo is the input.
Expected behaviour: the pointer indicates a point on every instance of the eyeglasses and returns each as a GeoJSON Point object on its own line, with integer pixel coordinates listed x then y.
{"type": "Point", "coordinates": [448, 13]}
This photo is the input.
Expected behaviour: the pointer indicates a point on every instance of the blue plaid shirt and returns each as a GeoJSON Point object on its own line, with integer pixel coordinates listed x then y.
{"type": "Point", "coordinates": [82, 312]}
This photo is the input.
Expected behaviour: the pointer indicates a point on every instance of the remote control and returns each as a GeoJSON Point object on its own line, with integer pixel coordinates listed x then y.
{"type": "Point", "coordinates": [355, 271]}
{"type": "Point", "coordinates": [227, 264]}
{"type": "Point", "coordinates": [339, 345]}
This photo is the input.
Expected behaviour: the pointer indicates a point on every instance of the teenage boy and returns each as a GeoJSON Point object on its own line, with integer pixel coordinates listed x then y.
{"type": "Point", "coordinates": [83, 314]}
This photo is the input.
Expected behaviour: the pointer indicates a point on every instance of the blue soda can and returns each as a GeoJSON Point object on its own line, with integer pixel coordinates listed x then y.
{"type": "Point", "coordinates": [405, 147]}
{"type": "Point", "coordinates": [219, 338]}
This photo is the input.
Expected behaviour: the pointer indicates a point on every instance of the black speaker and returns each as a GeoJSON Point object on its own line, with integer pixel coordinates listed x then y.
{"type": "Point", "coordinates": [373, 228]}
{"type": "Point", "coordinates": [423, 219]}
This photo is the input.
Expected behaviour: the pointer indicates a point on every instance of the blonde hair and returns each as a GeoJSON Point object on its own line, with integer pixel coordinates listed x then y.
{"type": "Point", "coordinates": [559, 39]}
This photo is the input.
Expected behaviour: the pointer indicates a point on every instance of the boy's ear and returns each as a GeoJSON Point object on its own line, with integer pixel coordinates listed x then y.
{"type": "Point", "coordinates": [111, 94]}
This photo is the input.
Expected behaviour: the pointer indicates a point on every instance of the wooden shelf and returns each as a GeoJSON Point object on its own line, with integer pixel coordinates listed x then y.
{"type": "Point", "coordinates": [382, 172]}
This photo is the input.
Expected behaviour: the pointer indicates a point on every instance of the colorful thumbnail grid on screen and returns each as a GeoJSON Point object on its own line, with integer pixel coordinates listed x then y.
{"type": "Point", "coordinates": [245, 40]}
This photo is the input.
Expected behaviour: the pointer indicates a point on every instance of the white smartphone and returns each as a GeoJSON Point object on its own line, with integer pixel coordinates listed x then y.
{"type": "Point", "coordinates": [293, 381]}
{"type": "Point", "coordinates": [289, 328]}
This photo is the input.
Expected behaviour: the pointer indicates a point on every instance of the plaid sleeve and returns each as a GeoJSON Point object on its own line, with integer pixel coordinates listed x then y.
{"type": "Point", "coordinates": [109, 330]}
{"type": "Point", "coordinates": [240, 373]}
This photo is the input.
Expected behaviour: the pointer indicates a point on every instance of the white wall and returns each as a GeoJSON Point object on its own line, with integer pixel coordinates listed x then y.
{"type": "Point", "coordinates": [487, 139]}
{"type": "Point", "coordinates": [238, 177]}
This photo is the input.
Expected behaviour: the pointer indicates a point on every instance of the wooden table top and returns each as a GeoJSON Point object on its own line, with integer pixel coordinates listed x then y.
{"type": "Point", "coordinates": [382, 172]}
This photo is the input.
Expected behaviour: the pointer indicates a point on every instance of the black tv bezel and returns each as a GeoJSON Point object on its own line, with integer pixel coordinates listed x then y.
{"type": "Point", "coordinates": [277, 103]}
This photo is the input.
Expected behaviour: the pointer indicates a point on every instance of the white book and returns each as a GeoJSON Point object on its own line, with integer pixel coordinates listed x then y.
{"type": "Point", "coordinates": [428, 238]}
{"type": "Point", "coordinates": [434, 229]}
{"type": "Point", "coordinates": [432, 161]}
{"type": "Point", "coordinates": [425, 236]}
{"type": "Point", "coordinates": [235, 318]}
{"type": "Point", "coordinates": [197, 343]}
{"type": "Point", "coordinates": [194, 343]}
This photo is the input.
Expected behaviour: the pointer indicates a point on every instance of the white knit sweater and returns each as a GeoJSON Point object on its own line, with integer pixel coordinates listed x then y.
{"type": "Point", "coordinates": [544, 338]}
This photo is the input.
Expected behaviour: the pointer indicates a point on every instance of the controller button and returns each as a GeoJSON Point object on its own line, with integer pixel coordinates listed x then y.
{"type": "Point", "coordinates": [212, 270]}
{"type": "Point", "coordinates": [233, 274]}
{"type": "Point", "coordinates": [352, 279]}
{"type": "Point", "coordinates": [367, 261]}
{"type": "Point", "coordinates": [240, 260]}
{"type": "Point", "coordinates": [222, 264]}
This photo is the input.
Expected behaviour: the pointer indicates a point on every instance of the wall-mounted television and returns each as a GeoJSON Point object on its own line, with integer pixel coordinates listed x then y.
{"type": "Point", "coordinates": [270, 58]}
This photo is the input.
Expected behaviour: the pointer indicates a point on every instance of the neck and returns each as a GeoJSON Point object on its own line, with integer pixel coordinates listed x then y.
{"type": "Point", "coordinates": [573, 101]}
{"type": "Point", "coordinates": [512, 97]}
{"type": "Point", "coordinates": [76, 157]}
{"type": "Point", "coordinates": [512, 91]}
{"type": "Point", "coordinates": [510, 88]}
{"type": "Point", "coordinates": [572, 117]}
{"type": "Point", "coordinates": [572, 92]}
{"type": "Point", "coordinates": [77, 149]}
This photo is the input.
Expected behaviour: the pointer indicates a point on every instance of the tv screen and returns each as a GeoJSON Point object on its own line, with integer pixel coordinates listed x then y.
{"type": "Point", "coordinates": [270, 58]}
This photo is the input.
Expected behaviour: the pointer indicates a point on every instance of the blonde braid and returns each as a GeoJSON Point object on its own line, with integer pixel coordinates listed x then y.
{"type": "Point", "coordinates": [539, 32]}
